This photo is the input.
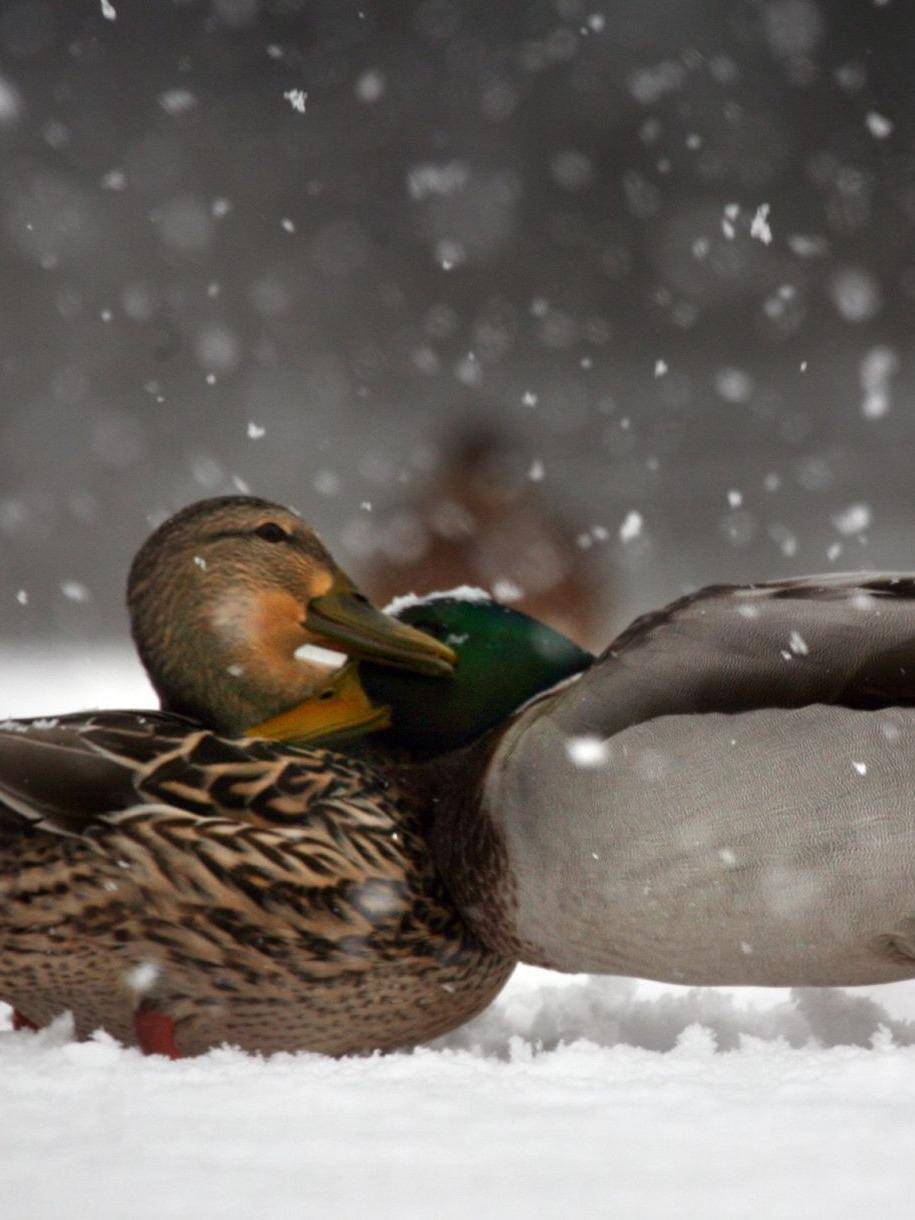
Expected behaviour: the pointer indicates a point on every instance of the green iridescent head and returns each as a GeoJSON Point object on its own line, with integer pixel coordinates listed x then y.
{"type": "Point", "coordinates": [504, 658]}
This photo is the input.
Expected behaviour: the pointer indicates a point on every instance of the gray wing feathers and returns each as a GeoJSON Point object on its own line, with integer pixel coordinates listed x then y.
{"type": "Point", "coordinates": [836, 639]}
{"type": "Point", "coordinates": [736, 818]}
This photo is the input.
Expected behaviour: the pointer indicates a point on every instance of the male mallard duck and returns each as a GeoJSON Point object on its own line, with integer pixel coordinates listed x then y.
{"type": "Point", "coordinates": [178, 885]}
{"type": "Point", "coordinates": [724, 797]}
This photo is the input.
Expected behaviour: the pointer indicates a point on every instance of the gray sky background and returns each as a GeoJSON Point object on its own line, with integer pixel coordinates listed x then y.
{"type": "Point", "coordinates": [539, 215]}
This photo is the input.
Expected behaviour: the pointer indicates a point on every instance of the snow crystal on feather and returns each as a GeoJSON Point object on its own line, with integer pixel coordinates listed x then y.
{"type": "Point", "coordinates": [462, 593]}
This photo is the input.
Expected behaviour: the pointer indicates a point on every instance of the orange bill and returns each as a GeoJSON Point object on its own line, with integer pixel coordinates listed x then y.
{"type": "Point", "coordinates": [345, 620]}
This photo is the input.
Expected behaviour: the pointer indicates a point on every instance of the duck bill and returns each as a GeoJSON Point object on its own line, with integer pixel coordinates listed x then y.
{"type": "Point", "coordinates": [337, 712]}
{"type": "Point", "coordinates": [345, 620]}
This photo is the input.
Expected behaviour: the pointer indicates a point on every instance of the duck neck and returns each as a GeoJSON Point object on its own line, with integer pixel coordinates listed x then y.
{"type": "Point", "coordinates": [504, 659]}
{"type": "Point", "coordinates": [231, 689]}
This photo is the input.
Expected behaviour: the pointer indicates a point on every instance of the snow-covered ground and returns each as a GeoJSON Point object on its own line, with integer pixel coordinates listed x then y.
{"type": "Point", "coordinates": [569, 1097]}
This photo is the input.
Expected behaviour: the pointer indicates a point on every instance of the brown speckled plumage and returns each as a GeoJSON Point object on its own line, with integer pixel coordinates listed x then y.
{"type": "Point", "coordinates": [246, 891]}
{"type": "Point", "coordinates": [272, 898]}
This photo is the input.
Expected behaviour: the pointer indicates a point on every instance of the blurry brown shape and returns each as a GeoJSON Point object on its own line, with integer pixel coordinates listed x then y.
{"type": "Point", "coordinates": [482, 519]}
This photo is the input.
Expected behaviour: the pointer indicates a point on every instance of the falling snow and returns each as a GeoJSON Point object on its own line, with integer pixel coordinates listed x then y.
{"type": "Point", "coordinates": [75, 591]}
{"type": "Point", "coordinates": [431, 318]}
{"type": "Point", "coordinates": [854, 519]}
{"type": "Point", "coordinates": [759, 226]}
{"type": "Point", "coordinates": [297, 99]}
{"type": "Point", "coordinates": [878, 125]}
{"type": "Point", "coordinates": [587, 751]}
{"type": "Point", "coordinates": [631, 527]}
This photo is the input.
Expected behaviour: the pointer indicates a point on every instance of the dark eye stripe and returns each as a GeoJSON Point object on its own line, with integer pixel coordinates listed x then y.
{"type": "Point", "coordinates": [307, 545]}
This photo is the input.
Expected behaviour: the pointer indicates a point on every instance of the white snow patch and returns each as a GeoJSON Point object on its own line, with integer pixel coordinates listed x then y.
{"type": "Point", "coordinates": [860, 767]}
{"type": "Point", "coordinates": [759, 226]}
{"type": "Point", "coordinates": [878, 125]}
{"type": "Point", "coordinates": [255, 431]}
{"type": "Point", "coordinates": [314, 654]}
{"type": "Point", "coordinates": [798, 644]}
{"type": "Point", "coordinates": [808, 245]}
{"type": "Point", "coordinates": [370, 86]}
{"type": "Point", "coordinates": [632, 526]}
{"type": "Point", "coordinates": [142, 977]}
{"type": "Point", "coordinates": [878, 367]}
{"type": "Point", "coordinates": [734, 385]}
{"type": "Point", "coordinates": [75, 591]}
{"type": "Point", "coordinates": [297, 99]}
{"type": "Point", "coordinates": [505, 590]}
{"type": "Point", "coordinates": [462, 593]}
{"type": "Point", "coordinates": [431, 179]}
{"type": "Point", "coordinates": [587, 751]}
{"type": "Point", "coordinates": [585, 1090]}
{"type": "Point", "coordinates": [177, 101]}
{"type": "Point", "coordinates": [649, 85]}
{"type": "Point", "coordinates": [853, 520]}
{"type": "Point", "coordinates": [856, 294]}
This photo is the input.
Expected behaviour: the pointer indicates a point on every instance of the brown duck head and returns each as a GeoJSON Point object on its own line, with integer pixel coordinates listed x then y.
{"type": "Point", "coordinates": [226, 592]}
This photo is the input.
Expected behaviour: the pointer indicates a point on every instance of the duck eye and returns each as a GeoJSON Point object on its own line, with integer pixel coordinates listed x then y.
{"type": "Point", "coordinates": [271, 532]}
{"type": "Point", "coordinates": [326, 694]}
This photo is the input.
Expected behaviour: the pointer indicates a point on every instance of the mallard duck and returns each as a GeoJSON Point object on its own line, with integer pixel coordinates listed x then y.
{"type": "Point", "coordinates": [481, 519]}
{"type": "Point", "coordinates": [178, 884]}
{"type": "Point", "coordinates": [723, 797]}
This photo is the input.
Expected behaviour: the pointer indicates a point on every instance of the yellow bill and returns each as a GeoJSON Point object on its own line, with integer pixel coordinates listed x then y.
{"type": "Point", "coordinates": [336, 712]}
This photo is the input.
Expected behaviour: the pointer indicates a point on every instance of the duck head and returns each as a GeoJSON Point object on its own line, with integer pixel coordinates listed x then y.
{"type": "Point", "coordinates": [504, 658]}
{"type": "Point", "coordinates": [224, 595]}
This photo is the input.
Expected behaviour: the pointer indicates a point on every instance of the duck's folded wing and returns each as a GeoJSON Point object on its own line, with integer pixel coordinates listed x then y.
{"type": "Point", "coordinates": [198, 821]}
{"type": "Point", "coordinates": [73, 773]}
{"type": "Point", "coordinates": [840, 639]}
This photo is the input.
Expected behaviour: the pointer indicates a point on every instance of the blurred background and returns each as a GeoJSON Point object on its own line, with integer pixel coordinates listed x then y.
{"type": "Point", "coordinates": [590, 302]}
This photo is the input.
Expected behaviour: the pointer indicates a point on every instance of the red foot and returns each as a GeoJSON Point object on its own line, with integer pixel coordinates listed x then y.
{"type": "Point", "coordinates": [22, 1022]}
{"type": "Point", "coordinates": [155, 1033]}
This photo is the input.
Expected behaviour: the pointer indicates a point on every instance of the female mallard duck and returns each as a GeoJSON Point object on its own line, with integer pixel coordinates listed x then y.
{"type": "Point", "coordinates": [180, 886]}
{"type": "Point", "coordinates": [724, 797]}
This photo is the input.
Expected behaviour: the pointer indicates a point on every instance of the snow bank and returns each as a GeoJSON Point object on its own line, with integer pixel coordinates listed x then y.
{"type": "Point", "coordinates": [487, 1123]}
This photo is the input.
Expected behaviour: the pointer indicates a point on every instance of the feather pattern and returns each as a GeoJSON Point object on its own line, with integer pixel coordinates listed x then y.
{"type": "Point", "coordinates": [726, 796]}
{"type": "Point", "coordinates": [271, 897]}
